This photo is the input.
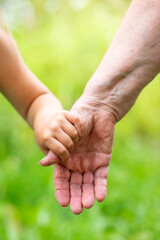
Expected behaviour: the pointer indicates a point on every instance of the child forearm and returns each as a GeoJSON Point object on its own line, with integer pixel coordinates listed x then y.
{"type": "Point", "coordinates": [43, 106]}
{"type": "Point", "coordinates": [19, 85]}
{"type": "Point", "coordinates": [54, 129]}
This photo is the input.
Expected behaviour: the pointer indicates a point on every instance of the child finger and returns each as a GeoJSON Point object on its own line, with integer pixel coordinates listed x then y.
{"type": "Point", "coordinates": [65, 139]}
{"type": "Point", "coordinates": [75, 120]}
{"type": "Point", "coordinates": [58, 148]}
{"type": "Point", "coordinates": [70, 130]}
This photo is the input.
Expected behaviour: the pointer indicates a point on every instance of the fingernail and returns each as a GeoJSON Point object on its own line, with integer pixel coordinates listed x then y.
{"type": "Point", "coordinates": [41, 161]}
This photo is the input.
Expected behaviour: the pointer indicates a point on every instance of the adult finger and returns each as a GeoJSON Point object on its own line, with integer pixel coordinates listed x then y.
{"type": "Point", "coordinates": [100, 181]}
{"type": "Point", "coordinates": [61, 183]}
{"type": "Point", "coordinates": [76, 192]}
{"type": "Point", "coordinates": [74, 119]}
{"type": "Point", "coordinates": [49, 160]}
{"type": "Point", "coordinates": [88, 190]}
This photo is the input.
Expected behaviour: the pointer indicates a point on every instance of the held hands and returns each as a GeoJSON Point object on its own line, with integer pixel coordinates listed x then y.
{"type": "Point", "coordinates": [83, 175]}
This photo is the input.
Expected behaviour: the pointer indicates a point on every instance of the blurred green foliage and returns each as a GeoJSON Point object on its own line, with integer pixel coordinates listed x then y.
{"type": "Point", "coordinates": [63, 42]}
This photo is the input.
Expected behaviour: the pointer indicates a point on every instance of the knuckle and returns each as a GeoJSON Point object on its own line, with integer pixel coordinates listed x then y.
{"type": "Point", "coordinates": [80, 123]}
{"type": "Point", "coordinates": [77, 118]}
{"type": "Point", "coordinates": [63, 112]}
{"type": "Point", "coordinates": [70, 145]}
{"type": "Point", "coordinates": [54, 126]}
{"type": "Point", "coordinates": [60, 118]}
{"type": "Point", "coordinates": [45, 136]}
{"type": "Point", "coordinates": [75, 134]}
{"type": "Point", "coordinates": [62, 151]}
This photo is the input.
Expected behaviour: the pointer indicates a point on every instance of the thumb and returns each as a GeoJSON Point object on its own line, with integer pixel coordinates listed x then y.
{"type": "Point", "coordinates": [49, 160]}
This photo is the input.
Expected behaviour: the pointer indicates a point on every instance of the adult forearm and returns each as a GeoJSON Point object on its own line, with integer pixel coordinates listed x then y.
{"type": "Point", "coordinates": [132, 60]}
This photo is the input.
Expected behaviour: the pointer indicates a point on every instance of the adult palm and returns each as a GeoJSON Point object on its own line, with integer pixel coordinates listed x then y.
{"type": "Point", "coordinates": [86, 170]}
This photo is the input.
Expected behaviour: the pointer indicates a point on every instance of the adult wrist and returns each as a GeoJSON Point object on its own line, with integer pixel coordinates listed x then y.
{"type": "Point", "coordinates": [131, 61]}
{"type": "Point", "coordinates": [118, 91]}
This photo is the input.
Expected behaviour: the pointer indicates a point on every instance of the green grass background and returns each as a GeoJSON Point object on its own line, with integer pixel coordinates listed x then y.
{"type": "Point", "coordinates": [63, 46]}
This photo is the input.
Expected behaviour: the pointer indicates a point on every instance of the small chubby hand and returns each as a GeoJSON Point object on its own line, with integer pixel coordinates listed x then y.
{"type": "Point", "coordinates": [59, 133]}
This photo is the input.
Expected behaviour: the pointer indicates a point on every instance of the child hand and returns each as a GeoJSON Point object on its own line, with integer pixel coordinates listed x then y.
{"type": "Point", "coordinates": [59, 133]}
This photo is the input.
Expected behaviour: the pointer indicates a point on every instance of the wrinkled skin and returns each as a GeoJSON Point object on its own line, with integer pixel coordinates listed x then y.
{"type": "Point", "coordinates": [130, 63]}
{"type": "Point", "coordinates": [87, 168]}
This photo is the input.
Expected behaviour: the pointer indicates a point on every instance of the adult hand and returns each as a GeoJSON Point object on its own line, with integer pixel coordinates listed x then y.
{"type": "Point", "coordinates": [130, 63]}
